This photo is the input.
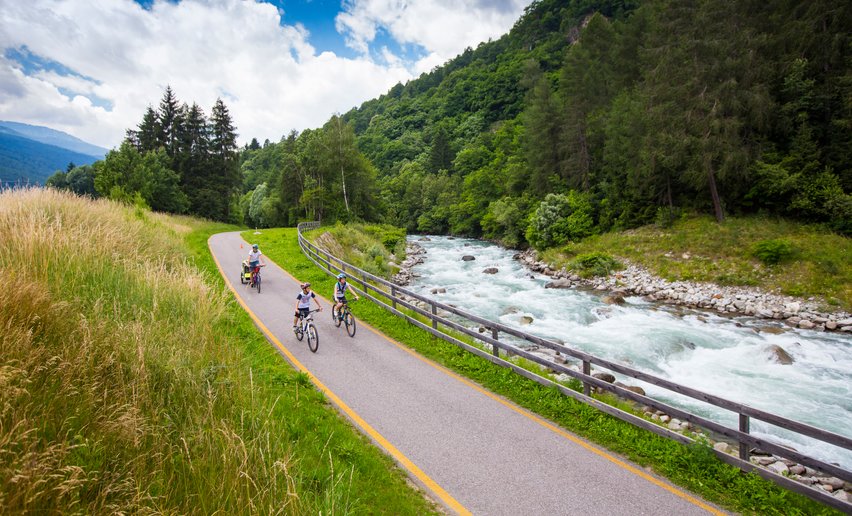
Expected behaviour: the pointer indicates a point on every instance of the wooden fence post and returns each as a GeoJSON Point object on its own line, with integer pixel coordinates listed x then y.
{"type": "Point", "coordinates": [744, 427]}
{"type": "Point", "coordinates": [587, 370]}
{"type": "Point", "coordinates": [494, 349]}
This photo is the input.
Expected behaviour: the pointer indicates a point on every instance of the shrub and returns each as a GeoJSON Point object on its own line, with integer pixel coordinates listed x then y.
{"type": "Point", "coordinates": [772, 252]}
{"type": "Point", "coordinates": [595, 264]}
{"type": "Point", "coordinates": [560, 218]}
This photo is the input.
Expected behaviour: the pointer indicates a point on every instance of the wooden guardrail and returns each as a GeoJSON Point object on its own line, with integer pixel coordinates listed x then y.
{"type": "Point", "coordinates": [393, 297]}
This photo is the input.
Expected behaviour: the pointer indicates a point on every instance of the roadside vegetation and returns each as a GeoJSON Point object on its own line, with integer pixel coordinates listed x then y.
{"type": "Point", "coordinates": [774, 254]}
{"type": "Point", "coordinates": [131, 381]}
{"type": "Point", "coordinates": [695, 468]}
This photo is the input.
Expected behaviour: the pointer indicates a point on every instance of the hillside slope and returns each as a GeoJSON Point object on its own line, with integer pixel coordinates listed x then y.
{"type": "Point", "coordinates": [24, 159]}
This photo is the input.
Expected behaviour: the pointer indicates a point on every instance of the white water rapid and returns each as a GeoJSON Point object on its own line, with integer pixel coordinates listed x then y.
{"type": "Point", "coordinates": [723, 356]}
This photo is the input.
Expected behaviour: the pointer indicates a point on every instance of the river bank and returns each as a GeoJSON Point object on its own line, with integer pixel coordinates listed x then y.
{"type": "Point", "coordinates": [752, 302]}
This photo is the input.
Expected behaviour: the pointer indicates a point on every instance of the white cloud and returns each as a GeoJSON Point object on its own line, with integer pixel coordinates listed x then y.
{"type": "Point", "coordinates": [443, 27]}
{"type": "Point", "coordinates": [269, 75]}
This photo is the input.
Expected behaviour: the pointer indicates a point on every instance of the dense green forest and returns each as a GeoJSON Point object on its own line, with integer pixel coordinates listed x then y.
{"type": "Point", "coordinates": [588, 116]}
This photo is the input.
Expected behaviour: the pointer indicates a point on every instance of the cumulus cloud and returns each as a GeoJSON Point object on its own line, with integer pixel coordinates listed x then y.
{"type": "Point", "coordinates": [100, 63]}
{"type": "Point", "coordinates": [268, 74]}
{"type": "Point", "coordinates": [443, 27]}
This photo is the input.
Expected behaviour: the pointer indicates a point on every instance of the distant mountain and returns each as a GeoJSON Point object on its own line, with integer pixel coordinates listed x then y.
{"type": "Point", "coordinates": [30, 153]}
{"type": "Point", "coordinates": [53, 137]}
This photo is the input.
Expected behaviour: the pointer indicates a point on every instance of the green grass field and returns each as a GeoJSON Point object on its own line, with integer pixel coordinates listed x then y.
{"type": "Point", "coordinates": [820, 263]}
{"type": "Point", "coordinates": [694, 468]}
{"type": "Point", "coordinates": [132, 382]}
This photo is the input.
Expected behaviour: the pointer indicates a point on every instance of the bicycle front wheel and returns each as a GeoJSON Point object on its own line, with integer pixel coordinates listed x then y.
{"type": "Point", "coordinates": [313, 338]}
{"type": "Point", "coordinates": [349, 320]}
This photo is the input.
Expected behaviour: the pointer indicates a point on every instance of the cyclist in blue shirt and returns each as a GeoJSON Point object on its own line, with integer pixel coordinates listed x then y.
{"type": "Point", "coordinates": [339, 295]}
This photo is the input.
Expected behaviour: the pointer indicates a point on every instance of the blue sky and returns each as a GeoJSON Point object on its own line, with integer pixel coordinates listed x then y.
{"type": "Point", "coordinates": [91, 68]}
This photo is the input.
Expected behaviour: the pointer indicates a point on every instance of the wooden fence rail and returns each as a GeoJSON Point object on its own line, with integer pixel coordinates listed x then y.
{"type": "Point", "coordinates": [395, 298]}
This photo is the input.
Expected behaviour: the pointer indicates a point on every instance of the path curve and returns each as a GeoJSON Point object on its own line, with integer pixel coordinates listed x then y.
{"type": "Point", "coordinates": [473, 451]}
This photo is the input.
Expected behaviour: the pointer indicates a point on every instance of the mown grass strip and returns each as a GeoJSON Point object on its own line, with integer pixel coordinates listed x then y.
{"type": "Point", "coordinates": [694, 468]}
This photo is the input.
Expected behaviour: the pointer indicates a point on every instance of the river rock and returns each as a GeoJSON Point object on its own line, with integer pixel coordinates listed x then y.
{"type": "Point", "coordinates": [526, 320]}
{"type": "Point", "coordinates": [607, 377]}
{"type": "Point", "coordinates": [830, 325]}
{"type": "Point", "coordinates": [613, 300]}
{"type": "Point", "coordinates": [779, 468]}
{"type": "Point", "coordinates": [490, 270]}
{"type": "Point", "coordinates": [834, 482]}
{"type": "Point", "coordinates": [560, 283]}
{"type": "Point", "coordinates": [806, 324]}
{"type": "Point", "coordinates": [773, 330]}
{"type": "Point", "coordinates": [468, 258]}
{"type": "Point", "coordinates": [844, 322]}
{"type": "Point", "coordinates": [631, 388]}
{"type": "Point", "coordinates": [778, 355]}
{"type": "Point", "coordinates": [440, 290]}
{"type": "Point", "coordinates": [722, 447]}
{"type": "Point", "coordinates": [424, 239]}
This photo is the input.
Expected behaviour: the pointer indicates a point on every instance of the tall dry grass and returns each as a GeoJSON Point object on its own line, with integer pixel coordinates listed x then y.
{"type": "Point", "coordinates": [117, 394]}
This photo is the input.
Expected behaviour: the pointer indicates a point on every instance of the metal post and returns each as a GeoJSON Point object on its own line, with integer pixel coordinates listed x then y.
{"type": "Point", "coordinates": [587, 370]}
{"type": "Point", "coordinates": [494, 350]}
{"type": "Point", "coordinates": [744, 427]}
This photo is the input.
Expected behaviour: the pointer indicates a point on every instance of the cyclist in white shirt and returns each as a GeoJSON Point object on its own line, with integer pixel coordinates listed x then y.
{"type": "Point", "coordinates": [303, 303]}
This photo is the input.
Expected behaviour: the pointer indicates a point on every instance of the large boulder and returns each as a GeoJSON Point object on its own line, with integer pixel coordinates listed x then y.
{"type": "Point", "coordinates": [468, 258]}
{"type": "Point", "coordinates": [613, 300]}
{"type": "Point", "coordinates": [490, 270]}
{"type": "Point", "coordinates": [778, 355]}
{"type": "Point", "coordinates": [526, 320]}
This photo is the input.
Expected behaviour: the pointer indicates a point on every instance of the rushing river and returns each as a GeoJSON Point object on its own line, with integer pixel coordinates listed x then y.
{"type": "Point", "coordinates": [719, 355]}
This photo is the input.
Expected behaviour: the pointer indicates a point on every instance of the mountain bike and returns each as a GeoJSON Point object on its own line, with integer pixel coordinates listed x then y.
{"type": "Point", "coordinates": [255, 278]}
{"type": "Point", "coordinates": [345, 316]}
{"type": "Point", "coordinates": [306, 327]}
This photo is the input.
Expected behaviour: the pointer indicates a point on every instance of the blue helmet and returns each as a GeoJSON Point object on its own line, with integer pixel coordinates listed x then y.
{"type": "Point", "coordinates": [254, 246]}
{"type": "Point", "coordinates": [341, 276]}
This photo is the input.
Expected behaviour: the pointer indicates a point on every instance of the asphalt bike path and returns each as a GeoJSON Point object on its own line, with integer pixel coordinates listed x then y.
{"type": "Point", "coordinates": [471, 450]}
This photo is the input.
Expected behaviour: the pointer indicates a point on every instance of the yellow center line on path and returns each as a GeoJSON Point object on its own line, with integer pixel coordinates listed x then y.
{"type": "Point", "coordinates": [427, 481]}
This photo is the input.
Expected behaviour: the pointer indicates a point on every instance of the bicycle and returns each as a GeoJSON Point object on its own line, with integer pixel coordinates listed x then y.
{"type": "Point", "coordinates": [306, 327]}
{"type": "Point", "coordinates": [255, 278]}
{"type": "Point", "coordinates": [345, 316]}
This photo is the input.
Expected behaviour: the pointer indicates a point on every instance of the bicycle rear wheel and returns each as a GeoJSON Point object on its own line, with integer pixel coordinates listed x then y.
{"type": "Point", "coordinates": [300, 331]}
{"type": "Point", "coordinates": [313, 338]}
{"type": "Point", "coordinates": [349, 320]}
{"type": "Point", "coordinates": [335, 316]}
{"type": "Point", "coordinates": [257, 281]}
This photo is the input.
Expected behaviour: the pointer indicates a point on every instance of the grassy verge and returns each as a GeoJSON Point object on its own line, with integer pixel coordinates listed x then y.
{"type": "Point", "coordinates": [131, 381]}
{"type": "Point", "coordinates": [694, 468]}
{"type": "Point", "coordinates": [699, 249]}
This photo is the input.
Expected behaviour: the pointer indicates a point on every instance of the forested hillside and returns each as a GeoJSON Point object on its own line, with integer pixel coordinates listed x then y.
{"type": "Point", "coordinates": [587, 116]}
